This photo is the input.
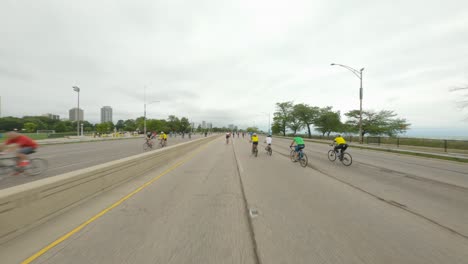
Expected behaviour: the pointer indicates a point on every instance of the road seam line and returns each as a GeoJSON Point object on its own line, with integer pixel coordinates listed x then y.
{"type": "Point", "coordinates": [247, 210]}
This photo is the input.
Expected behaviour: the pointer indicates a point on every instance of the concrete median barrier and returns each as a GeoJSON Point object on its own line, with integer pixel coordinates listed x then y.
{"type": "Point", "coordinates": [25, 206]}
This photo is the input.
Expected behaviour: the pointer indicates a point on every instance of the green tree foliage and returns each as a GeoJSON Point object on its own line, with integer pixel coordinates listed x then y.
{"type": "Point", "coordinates": [294, 123]}
{"type": "Point", "coordinates": [282, 116]}
{"type": "Point", "coordinates": [30, 127]}
{"type": "Point", "coordinates": [328, 121]}
{"type": "Point", "coordinates": [252, 129]}
{"type": "Point", "coordinates": [10, 123]}
{"type": "Point", "coordinates": [384, 122]}
{"type": "Point", "coordinates": [120, 125]}
{"type": "Point", "coordinates": [184, 124]}
{"type": "Point", "coordinates": [307, 115]}
{"type": "Point", "coordinates": [173, 123]}
{"type": "Point", "coordinates": [129, 125]}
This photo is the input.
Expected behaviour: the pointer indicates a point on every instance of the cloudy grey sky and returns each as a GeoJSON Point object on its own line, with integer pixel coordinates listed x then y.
{"type": "Point", "coordinates": [228, 61]}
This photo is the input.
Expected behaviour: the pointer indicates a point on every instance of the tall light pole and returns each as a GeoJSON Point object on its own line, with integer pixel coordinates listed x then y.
{"type": "Point", "coordinates": [77, 89]}
{"type": "Point", "coordinates": [359, 75]}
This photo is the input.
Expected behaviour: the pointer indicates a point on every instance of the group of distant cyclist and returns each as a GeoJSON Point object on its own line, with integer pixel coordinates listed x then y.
{"type": "Point", "coordinates": [22, 145]}
{"type": "Point", "coordinates": [150, 135]}
{"type": "Point", "coordinates": [297, 143]}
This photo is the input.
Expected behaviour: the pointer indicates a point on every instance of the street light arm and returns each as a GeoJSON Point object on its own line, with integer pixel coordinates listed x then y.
{"type": "Point", "coordinates": [354, 71]}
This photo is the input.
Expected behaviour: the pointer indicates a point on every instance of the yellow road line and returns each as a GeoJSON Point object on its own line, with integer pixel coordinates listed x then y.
{"type": "Point", "coordinates": [103, 212]}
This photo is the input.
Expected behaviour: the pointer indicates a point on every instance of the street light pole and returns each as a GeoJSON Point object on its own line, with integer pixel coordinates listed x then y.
{"type": "Point", "coordinates": [359, 75]}
{"type": "Point", "coordinates": [77, 89]}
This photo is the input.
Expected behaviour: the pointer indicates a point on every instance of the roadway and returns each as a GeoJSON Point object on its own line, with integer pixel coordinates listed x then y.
{"type": "Point", "coordinates": [62, 158]}
{"type": "Point", "coordinates": [222, 205]}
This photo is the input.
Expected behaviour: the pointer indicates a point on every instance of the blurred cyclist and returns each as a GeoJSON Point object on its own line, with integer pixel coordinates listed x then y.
{"type": "Point", "coordinates": [254, 140]}
{"type": "Point", "coordinates": [163, 138]}
{"type": "Point", "coordinates": [23, 146]}
{"type": "Point", "coordinates": [268, 140]}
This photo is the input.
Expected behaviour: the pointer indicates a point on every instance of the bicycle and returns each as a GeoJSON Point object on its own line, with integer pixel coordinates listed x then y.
{"type": "Point", "coordinates": [302, 157]}
{"type": "Point", "coordinates": [35, 167]}
{"type": "Point", "coordinates": [254, 150]}
{"type": "Point", "coordinates": [344, 157]}
{"type": "Point", "coordinates": [162, 143]}
{"type": "Point", "coordinates": [148, 144]}
{"type": "Point", "coordinates": [269, 150]}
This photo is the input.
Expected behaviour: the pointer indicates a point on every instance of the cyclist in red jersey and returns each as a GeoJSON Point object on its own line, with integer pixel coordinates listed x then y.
{"type": "Point", "coordinates": [22, 144]}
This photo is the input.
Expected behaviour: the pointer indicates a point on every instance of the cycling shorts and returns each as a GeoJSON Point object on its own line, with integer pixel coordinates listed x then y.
{"type": "Point", "coordinates": [26, 150]}
{"type": "Point", "coordinates": [299, 147]}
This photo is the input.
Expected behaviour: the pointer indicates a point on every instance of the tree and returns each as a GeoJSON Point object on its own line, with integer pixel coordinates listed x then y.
{"type": "Point", "coordinates": [30, 127]}
{"type": "Point", "coordinates": [328, 121]}
{"type": "Point", "coordinates": [102, 128]}
{"type": "Point", "coordinates": [129, 125]}
{"type": "Point", "coordinates": [173, 122]}
{"type": "Point", "coordinates": [306, 114]}
{"type": "Point", "coordinates": [10, 123]}
{"type": "Point", "coordinates": [294, 123]}
{"type": "Point", "coordinates": [383, 122]}
{"type": "Point", "coordinates": [120, 125]}
{"type": "Point", "coordinates": [252, 129]}
{"type": "Point", "coordinates": [282, 116]}
{"type": "Point", "coordinates": [184, 124]}
{"type": "Point", "coordinates": [60, 127]}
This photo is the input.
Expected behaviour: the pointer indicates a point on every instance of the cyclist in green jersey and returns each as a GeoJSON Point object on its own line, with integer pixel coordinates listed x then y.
{"type": "Point", "coordinates": [299, 144]}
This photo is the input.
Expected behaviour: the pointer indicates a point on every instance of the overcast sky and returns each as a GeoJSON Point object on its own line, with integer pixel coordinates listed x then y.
{"type": "Point", "coordinates": [229, 61]}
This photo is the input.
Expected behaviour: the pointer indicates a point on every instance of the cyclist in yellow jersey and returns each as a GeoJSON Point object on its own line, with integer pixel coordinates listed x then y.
{"type": "Point", "coordinates": [254, 141]}
{"type": "Point", "coordinates": [340, 144]}
{"type": "Point", "coordinates": [163, 137]}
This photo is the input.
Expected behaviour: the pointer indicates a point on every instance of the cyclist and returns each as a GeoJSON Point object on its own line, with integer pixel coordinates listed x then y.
{"type": "Point", "coordinates": [340, 144]}
{"type": "Point", "coordinates": [23, 146]}
{"type": "Point", "coordinates": [268, 140]}
{"type": "Point", "coordinates": [227, 137]}
{"type": "Point", "coordinates": [163, 138]}
{"type": "Point", "coordinates": [299, 145]}
{"type": "Point", "coordinates": [254, 140]}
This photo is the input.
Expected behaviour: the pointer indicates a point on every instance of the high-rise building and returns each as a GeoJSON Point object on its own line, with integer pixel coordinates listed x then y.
{"type": "Point", "coordinates": [52, 116]}
{"type": "Point", "coordinates": [209, 125]}
{"type": "Point", "coordinates": [203, 125]}
{"type": "Point", "coordinates": [106, 114]}
{"type": "Point", "coordinates": [231, 127]}
{"type": "Point", "coordinates": [73, 114]}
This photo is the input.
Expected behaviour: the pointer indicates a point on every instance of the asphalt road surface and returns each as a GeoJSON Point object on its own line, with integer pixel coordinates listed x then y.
{"type": "Point", "coordinates": [62, 158]}
{"type": "Point", "coordinates": [223, 205]}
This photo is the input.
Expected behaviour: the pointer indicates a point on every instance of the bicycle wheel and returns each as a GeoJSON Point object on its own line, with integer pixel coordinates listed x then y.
{"type": "Point", "coordinates": [36, 167]}
{"type": "Point", "coordinates": [331, 155]}
{"type": "Point", "coordinates": [270, 151]}
{"type": "Point", "coordinates": [347, 159]}
{"type": "Point", "coordinates": [304, 160]}
{"type": "Point", "coordinates": [145, 146]}
{"type": "Point", "coordinates": [256, 152]}
{"type": "Point", "coordinates": [292, 155]}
